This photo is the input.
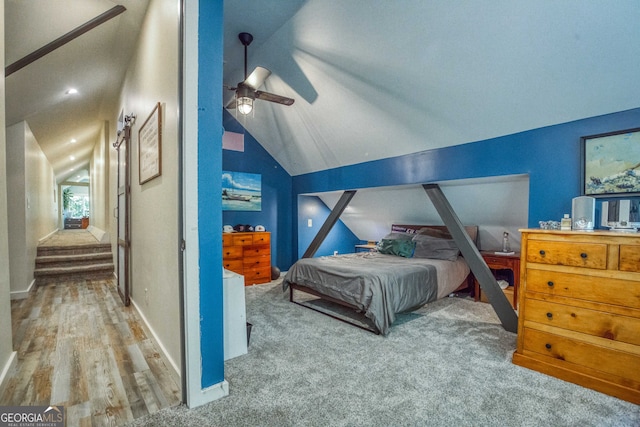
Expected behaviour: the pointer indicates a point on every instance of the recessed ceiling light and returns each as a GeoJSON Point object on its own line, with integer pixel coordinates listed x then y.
{"type": "Point", "coordinates": [71, 170]}
{"type": "Point", "coordinates": [72, 157]}
{"type": "Point", "coordinates": [73, 140]}
{"type": "Point", "coordinates": [72, 91]}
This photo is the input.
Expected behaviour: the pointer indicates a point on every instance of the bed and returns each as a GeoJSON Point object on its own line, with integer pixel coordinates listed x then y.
{"type": "Point", "coordinates": [398, 277]}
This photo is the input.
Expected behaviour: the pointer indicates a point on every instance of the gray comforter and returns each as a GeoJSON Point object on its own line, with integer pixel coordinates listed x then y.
{"type": "Point", "coordinates": [379, 285]}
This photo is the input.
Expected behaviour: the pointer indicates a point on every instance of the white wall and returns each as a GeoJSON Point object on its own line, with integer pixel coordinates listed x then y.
{"type": "Point", "coordinates": [7, 355]}
{"type": "Point", "coordinates": [41, 191]}
{"type": "Point", "coordinates": [153, 77]}
{"type": "Point", "coordinates": [32, 203]}
{"type": "Point", "coordinates": [99, 182]}
{"type": "Point", "coordinates": [16, 203]}
{"type": "Point", "coordinates": [495, 204]}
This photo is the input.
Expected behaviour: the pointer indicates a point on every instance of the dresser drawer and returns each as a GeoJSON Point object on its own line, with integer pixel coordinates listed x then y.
{"type": "Point", "coordinates": [261, 238]}
{"type": "Point", "coordinates": [257, 275]}
{"type": "Point", "coordinates": [630, 258]}
{"type": "Point", "coordinates": [498, 260]}
{"type": "Point", "coordinates": [256, 262]}
{"type": "Point", "coordinates": [592, 322]}
{"type": "Point", "coordinates": [580, 353]}
{"type": "Point", "coordinates": [242, 239]}
{"type": "Point", "coordinates": [590, 288]}
{"type": "Point", "coordinates": [232, 252]}
{"type": "Point", "coordinates": [590, 255]}
{"type": "Point", "coordinates": [227, 239]}
{"type": "Point", "coordinates": [234, 265]}
{"type": "Point", "coordinates": [257, 251]}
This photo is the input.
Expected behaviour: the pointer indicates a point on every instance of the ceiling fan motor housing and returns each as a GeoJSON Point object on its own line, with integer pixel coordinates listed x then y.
{"type": "Point", "coordinates": [245, 38]}
{"type": "Point", "coordinates": [244, 91]}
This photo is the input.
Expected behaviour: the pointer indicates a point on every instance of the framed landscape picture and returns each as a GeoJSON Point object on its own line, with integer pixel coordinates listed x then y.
{"type": "Point", "coordinates": [611, 164]}
{"type": "Point", "coordinates": [241, 191]}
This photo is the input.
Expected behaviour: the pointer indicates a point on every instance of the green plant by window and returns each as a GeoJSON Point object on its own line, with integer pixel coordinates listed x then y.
{"type": "Point", "coordinates": [67, 195]}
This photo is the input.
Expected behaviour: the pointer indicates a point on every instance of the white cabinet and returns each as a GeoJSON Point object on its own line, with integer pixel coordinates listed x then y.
{"type": "Point", "coordinates": [235, 316]}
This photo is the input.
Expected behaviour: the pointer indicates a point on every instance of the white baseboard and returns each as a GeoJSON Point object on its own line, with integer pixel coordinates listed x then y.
{"type": "Point", "coordinates": [8, 370]}
{"type": "Point", "coordinates": [175, 369]}
{"type": "Point", "coordinates": [100, 235]}
{"type": "Point", "coordinates": [48, 235]}
{"type": "Point", "coordinates": [23, 294]}
{"type": "Point", "coordinates": [209, 394]}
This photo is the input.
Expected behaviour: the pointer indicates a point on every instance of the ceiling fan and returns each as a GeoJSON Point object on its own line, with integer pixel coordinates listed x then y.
{"type": "Point", "coordinates": [247, 90]}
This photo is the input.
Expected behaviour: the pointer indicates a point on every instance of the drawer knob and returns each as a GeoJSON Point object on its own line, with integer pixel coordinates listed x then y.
{"type": "Point", "coordinates": [542, 252]}
{"type": "Point", "coordinates": [548, 346]}
{"type": "Point", "coordinates": [549, 315]}
{"type": "Point", "coordinates": [583, 255]}
{"type": "Point", "coordinates": [550, 283]}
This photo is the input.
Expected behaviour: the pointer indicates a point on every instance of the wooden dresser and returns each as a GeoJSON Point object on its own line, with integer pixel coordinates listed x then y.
{"type": "Point", "coordinates": [579, 306]}
{"type": "Point", "coordinates": [248, 254]}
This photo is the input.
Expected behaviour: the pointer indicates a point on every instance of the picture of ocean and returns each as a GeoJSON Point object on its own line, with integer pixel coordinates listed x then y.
{"type": "Point", "coordinates": [241, 191]}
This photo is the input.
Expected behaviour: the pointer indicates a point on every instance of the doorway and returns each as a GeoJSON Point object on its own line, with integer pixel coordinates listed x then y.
{"type": "Point", "coordinates": [75, 205]}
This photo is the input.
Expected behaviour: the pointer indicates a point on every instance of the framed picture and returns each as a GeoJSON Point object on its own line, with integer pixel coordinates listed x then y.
{"type": "Point", "coordinates": [241, 191]}
{"type": "Point", "coordinates": [150, 146]}
{"type": "Point", "coordinates": [611, 164]}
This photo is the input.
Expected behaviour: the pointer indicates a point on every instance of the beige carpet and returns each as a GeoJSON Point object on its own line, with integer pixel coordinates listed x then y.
{"type": "Point", "coordinates": [70, 238]}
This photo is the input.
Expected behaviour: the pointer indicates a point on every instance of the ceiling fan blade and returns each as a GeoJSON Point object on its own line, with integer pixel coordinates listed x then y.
{"type": "Point", "coordinates": [266, 96]}
{"type": "Point", "coordinates": [257, 77]}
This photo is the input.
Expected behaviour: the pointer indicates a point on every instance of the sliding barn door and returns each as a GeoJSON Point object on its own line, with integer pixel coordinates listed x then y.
{"type": "Point", "coordinates": [124, 196]}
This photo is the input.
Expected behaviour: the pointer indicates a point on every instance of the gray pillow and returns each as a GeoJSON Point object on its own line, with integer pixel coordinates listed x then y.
{"type": "Point", "coordinates": [435, 248]}
{"type": "Point", "coordinates": [435, 232]}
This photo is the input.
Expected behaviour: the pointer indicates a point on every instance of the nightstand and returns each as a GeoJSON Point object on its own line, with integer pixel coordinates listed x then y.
{"type": "Point", "coordinates": [502, 262]}
{"type": "Point", "coordinates": [367, 247]}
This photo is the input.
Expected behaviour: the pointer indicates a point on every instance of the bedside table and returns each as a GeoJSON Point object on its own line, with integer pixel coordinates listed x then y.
{"type": "Point", "coordinates": [367, 247]}
{"type": "Point", "coordinates": [502, 262]}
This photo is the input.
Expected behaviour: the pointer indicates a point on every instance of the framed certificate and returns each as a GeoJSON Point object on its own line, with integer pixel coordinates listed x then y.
{"type": "Point", "coordinates": [150, 146]}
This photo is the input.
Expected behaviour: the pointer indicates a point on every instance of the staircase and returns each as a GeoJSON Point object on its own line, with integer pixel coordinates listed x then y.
{"type": "Point", "coordinates": [77, 262]}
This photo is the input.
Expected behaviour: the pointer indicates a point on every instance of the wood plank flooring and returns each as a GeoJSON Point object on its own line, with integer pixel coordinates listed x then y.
{"type": "Point", "coordinates": [79, 347]}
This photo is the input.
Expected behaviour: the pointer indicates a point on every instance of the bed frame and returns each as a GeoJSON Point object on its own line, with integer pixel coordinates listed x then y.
{"type": "Point", "coordinates": [467, 283]}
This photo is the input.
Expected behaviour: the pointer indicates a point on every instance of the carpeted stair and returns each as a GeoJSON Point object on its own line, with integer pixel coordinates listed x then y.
{"type": "Point", "coordinates": [60, 263]}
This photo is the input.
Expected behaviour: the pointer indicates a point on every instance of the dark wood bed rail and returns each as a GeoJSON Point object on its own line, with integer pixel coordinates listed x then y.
{"type": "Point", "coordinates": [293, 286]}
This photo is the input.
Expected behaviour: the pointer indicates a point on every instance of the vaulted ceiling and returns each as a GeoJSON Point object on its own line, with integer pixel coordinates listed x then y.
{"type": "Point", "coordinates": [375, 79]}
{"type": "Point", "coordinates": [93, 63]}
{"type": "Point", "coordinates": [371, 79]}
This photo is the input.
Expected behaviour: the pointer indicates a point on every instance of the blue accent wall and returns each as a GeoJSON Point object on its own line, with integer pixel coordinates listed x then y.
{"type": "Point", "coordinates": [549, 155]}
{"type": "Point", "coordinates": [340, 238]}
{"type": "Point", "coordinates": [209, 184]}
{"type": "Point", "coordinates": [276, 214]}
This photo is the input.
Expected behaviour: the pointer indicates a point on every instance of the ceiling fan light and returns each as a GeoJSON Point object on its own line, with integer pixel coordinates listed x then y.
{"type": "Point", "coordinates": [245, 105]}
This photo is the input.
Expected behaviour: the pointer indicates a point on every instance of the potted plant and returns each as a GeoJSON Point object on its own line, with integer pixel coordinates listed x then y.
{"type": "Point", "coordinates": [66, 201]}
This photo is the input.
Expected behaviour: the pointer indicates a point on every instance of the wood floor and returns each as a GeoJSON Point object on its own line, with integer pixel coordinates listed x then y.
{"type": "Point", "coordinates": [79, 347]}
